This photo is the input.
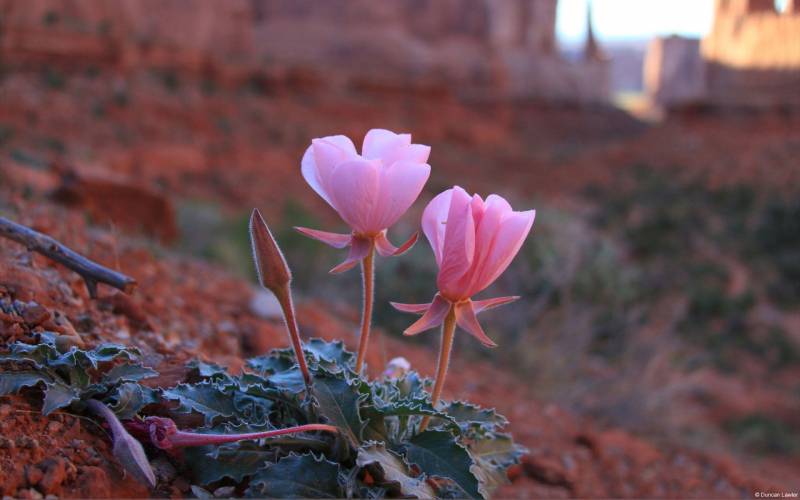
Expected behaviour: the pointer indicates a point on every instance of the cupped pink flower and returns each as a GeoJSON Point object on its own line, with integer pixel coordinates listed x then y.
{"type": "Point", "coordinates": [474, 241]}
{"type": "Point", "coordinates": [370, 191]}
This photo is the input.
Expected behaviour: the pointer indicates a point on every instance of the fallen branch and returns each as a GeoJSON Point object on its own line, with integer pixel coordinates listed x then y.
{"type": "Point", "coordinates": [91, 272]}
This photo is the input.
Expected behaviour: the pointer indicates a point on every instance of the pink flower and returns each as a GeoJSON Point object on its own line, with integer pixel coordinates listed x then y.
{"type": "Point", "coordinates": [473, 241]}
{"type": "Point", "coordinates": [370, 191]}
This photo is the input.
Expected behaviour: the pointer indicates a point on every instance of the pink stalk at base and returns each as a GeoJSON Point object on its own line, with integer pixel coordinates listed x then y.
{"type": "Point", "coordinates": [165, 434]}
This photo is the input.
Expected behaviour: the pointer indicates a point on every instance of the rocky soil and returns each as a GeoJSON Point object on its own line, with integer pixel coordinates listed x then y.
{"type": "Point", "coordinates": [104, 160]}
{"type": "Point", "coordinates": [184, 308]}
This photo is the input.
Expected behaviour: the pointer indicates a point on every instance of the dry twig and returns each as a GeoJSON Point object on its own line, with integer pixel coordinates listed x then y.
{"type": "Point", "coordinates": [90, 271]}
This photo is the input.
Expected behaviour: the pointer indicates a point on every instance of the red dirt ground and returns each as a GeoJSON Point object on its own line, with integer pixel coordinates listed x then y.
{"type": "Point", "coordinates": [138, 148]}
{"type": "Point", "coordinates": [185, 308]}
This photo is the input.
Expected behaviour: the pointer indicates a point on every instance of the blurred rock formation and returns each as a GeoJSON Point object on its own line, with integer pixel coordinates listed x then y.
{"type": "Point", "coordinates": [751, 58]}
{"type": "Point", "coordinates": [477, 48]}
{"type": "Point", "coordinates": [674, 71]}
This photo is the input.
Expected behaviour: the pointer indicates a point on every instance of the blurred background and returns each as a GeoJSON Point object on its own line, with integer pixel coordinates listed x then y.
{"type": "Point", "coordinates": [658, 140]}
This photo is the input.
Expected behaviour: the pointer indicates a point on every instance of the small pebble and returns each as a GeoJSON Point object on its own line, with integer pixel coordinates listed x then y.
{"type": "Point", "coordinates": [264, 305]}
{"type": "Point", "coordinates": [225, 492]}
{"type": "Point", "coordinates": [35, 315]}
{"type": "Point", "coordinates": [55, 475]}
{"type": "Point", "coordinates": [33, 475]}
{"type": "Point", "coordinates": [27, 442]}
{"type": "Point", "coordinates": [53, 427]}
{"type": "Point", "coordinates": [85, 322]}
{"type": "Point", "coordinates": [30, 494]}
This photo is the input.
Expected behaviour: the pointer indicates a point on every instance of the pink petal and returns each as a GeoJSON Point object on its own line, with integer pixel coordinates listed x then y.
{"type": "Point", "coordinates": [417, 153]}
{"type": "Point", "coordinates": [413, 153]}
{"type": "Point", "coordinates": [320, 159]}
{"type": "Point", "coordinates": [495, 209]}
{"type": "Point", "coordinates": [400, 185]}
{"type": "Point", "coordinates": [432, 318]}
{"type": "Point", "coordinates": [433, 222]}
{"type": "Point", "coordinates": [510, 236]}
{"type": "Point", "coordinates": [482, 305]}
{"type": "Point", "coordinates": [342, 142]}
{"type": "Point", "coordinates": [478, 207]}
{"type": "Point", "coordinates": [359, 248]}
{"type": "Point", "coordinates": [335, 240]}
{"type": "Point", "coordinates": [386, 249]}
{"type": "Point", "coordinates": [354, 192]}
{"type": "Point", "coordinates": [465, 318]}
{"type": "Point", "coordinates": [384, 144]}
{"type": "Point", "coordinates": [459, 243]}
{"type": "Point", "coordinates": [411, 308]}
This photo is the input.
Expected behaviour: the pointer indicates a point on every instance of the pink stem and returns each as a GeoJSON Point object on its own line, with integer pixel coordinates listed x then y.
{"type": "Point", "coordinates": [182, 438]}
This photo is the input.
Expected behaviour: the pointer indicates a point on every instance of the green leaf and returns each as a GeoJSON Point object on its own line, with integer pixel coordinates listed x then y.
{"type": "Point", "coordinates": [210, 371]}
{"type": "Point", "coordinates": [74, 367]}
{"type": "Point", "coordinates": [290, 381]}
{"type": "Point", "coordinates": [497, 449]}
{"type": "Point", "coordinates": [392, 469]}
{"type": "Point", "coordinates": [209, 464]}
{"type": "Point", "coordinates": [129, 373]}
{"type": "Point", "coordinates": [12, 382]}
{"type": "Point", "coordinates": [38, 354]}
{"type": "Point", "coordinates": [58, 395]}
{"type": "Point", "coordinates": [208, 398]}
{"type": "Point", "coordinates": [257, 398]}
{"type": "Point", "coordinates": [390, 429]}
{"type": "Point", "coordinates": [473, 416]}
{"type": "Point", "coordinates": [131, 397]}
{"type": "Point", "coordinates": [338, 402]}
{"type": "Point", "coordinates": [411, 385]}
{"type": "Point", "coordinates": [297, 476]}
{"type": "Point", "coordinates": [438, 454]}
{"type": "Point", "coordinates": [251, 408]}
{"type": "Point", "coordinates": [378, 428]}
{"type": "Point", "coordinates": [331, 355]}
{"type": "Point", "coordinates": [408, 407]}
{"type": "Point", "coordinates": [275, 362]}
{"type": "Point", "coordinates": [110, 352]}
{"type": "Point", "coordinates": [493, 456]}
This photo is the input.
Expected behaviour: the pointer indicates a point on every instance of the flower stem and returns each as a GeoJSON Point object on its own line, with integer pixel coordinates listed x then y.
{"type": "Point", "coordinates": [284, 297]}
{"type": "Point", "coordinates": [368, 278]}
{"type": "Point", "coordinates": [182, 438]}
{"type": "Point", "coordinates": [448, 333]}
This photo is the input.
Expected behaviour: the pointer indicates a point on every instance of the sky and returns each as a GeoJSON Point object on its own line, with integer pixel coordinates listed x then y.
{"type": "Point", "coordinates": [634, 19]}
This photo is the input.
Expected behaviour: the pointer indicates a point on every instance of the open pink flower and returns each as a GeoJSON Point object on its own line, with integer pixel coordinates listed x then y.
{"type": "Point", "coordinates": [473, 241]}
{"type": "Point", "coordinates": [370, 191]}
